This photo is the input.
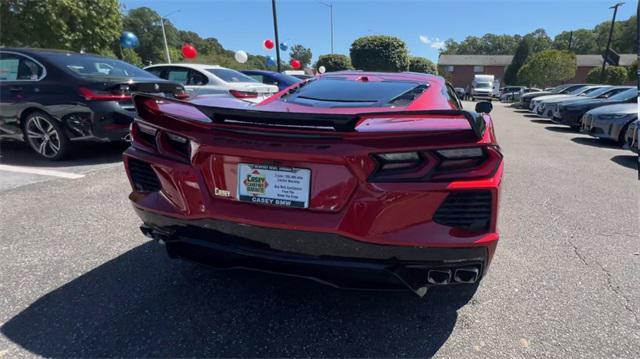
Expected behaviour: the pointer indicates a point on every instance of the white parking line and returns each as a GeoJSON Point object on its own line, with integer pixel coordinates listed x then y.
{"type": "Point", "coordinates": [40, 171]}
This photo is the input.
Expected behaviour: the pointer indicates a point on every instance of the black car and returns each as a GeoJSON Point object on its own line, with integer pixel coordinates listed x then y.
{"type": "Point", "coordinates": [51, 98]}
{"type": "Point", "coordinates": [570, 113]}
{"type": "Point", "coordinates": [525, 100]}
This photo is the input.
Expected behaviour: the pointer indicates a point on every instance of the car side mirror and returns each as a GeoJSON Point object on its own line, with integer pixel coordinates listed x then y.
{"type": "Point", "coordinates": [484, 107]}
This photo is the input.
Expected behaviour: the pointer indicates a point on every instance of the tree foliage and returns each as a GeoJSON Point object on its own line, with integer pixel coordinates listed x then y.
{"type": "Point", "coordinates": [613, 75]}
{"type": "Point", "coordinates": [89, 25]}
{"type": "Point", "coordinates": [334, 62]}
{"type": "Point", "coordinates": [522, 53]}
{"type": "Point", "coordinates": [301, 54]}
{"type": "Point", "coordinates": [632, 72]}
{"type": "Point", "coordinates": [421, 64]}
{"type": "Point", "coordinates": [379, 53]}
{"type": "Point", "coordinates": [549, 67]}
{"type": "Point", "coordinates": [583, 41]}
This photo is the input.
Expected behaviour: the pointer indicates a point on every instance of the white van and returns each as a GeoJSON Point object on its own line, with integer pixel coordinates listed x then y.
{"type": "Point", "coordinates": [482, 87]}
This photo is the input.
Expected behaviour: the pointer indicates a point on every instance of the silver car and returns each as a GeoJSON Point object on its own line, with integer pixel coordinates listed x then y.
{"type": "Point", "coordinates": [610, 122]}
{"type": "Point", "coordinates": [632, 136]}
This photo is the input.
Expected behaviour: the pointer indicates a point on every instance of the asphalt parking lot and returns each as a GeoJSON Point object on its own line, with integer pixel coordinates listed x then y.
{"type": "Point", "coordinates": [78, 279]}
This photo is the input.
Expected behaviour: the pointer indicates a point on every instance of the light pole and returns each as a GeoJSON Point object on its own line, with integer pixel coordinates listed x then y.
{"type": "Point", "coordinates": [275, 30]}
{"type": "Point", "coordinates": [613, 21]}
{"type": "Point", "coordinates": [330, 6]}
{"type": "Point", "coordinates": [164, 35]}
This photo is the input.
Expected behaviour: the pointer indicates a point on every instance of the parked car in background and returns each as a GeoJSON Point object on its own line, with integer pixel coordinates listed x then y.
{"type": "Point", "coordinates": [507, 94]}
{"type": "Point", "coordinates": [569, 112]}
{"type": "Point", "coordinates": [540, 103]}
{"type": "Point", "coordinates": [482, 87]}
{"type": "Point", "coordinates": [518, 95]}
{"type": "Point", "coordinates": [610, 122]}
{"type": "Point", "coordinates": [525, 99]}
{"type": "Point", "coordinates": [272, 78]}
{"type": "Point", "coordinates": [52, 98]}
{"type": "Point", "coordinates": [324, 181]}
{"type": "Point", "coordinates": [632, 136]}
{"type": "Point", "coordinates": [460, 92]}
{"type": "Point", "coordinates": [201, 79]}
{"type": "Point", "coordinates": [297, 73]}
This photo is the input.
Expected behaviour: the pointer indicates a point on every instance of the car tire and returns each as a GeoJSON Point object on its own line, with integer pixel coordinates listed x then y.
{"type": "Point", "coordinates": [45, 136]}
{"type": "Point", "coordinates": [623, 132]}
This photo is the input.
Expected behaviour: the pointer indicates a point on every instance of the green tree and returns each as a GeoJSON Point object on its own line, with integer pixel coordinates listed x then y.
{"type": "Point", "coordinates": [333, 62]}
{"type": "Point", "coordinates": [632, 72]}
{"type": "Point", "coordinates": [130, 56]}
{"type": "Point", "coordinates": [522, 53]}
{"type": "Point", "coordinates": [379, 53]}
{"type": "Point", "coordinates": [420, 64]}
{"type": "Point", "coordinates": [549, 67]}
{"type": "Point", "coordinates": [145, 24]}
{"type": "Point", "coordinates": [538, 41]}
{"type": "Point", "coordinates": [613, 75]}
{"type": "Point", "coordinates": [583, 41]}
{"type": "Point", "coordinates": [301, 54]}
{"type": "Point", "coordinates": [624, 39]}
{"type": "Point", "coordinates": [89, 25]}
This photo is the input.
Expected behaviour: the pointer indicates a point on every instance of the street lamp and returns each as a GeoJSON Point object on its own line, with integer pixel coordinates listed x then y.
{"type": "Point", "coordinates": [330, 6]}
{"type": "Point", "coordinates": [275, 30]}
{"type": "Point", "coordinates": [164, 35]}
{"type": "Point", "coordinates": [613, 21]}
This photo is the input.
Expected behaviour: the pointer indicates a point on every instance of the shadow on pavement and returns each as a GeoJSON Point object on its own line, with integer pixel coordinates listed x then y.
{"type": "Point", "coordinates": [20, 154]}
{"type": "Point", "coordinates": [595, 142]}
{"type": "Point", "coordinates": [542, 121]}
{"type": "Point", "coordinates": [563, 129]}
{"type": "Point", "coordinates": [530, 115]}
{"type": "Point", "coordinates": [630, 161]}
{"type": "Point", "coordinates": [143, 304]}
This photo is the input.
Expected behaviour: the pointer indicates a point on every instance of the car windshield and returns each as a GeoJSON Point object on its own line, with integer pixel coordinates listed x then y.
{"type": "Point", "coordinates": [579, 90]}
{"type": "Point", "coordinates": [597, 91]}
{"type": "Point", "coordinates": [95, 66]}
{"type": "Point", "coordinates": [625, 95]}
{"type": "Point", "coordinates": [228, 75]}
{"type": "Point", "coordinates": [570, 89]}
{"type": "Point", "coordinates": [363, 93]}
{"type": "Point", "coordinates": [483, 85]}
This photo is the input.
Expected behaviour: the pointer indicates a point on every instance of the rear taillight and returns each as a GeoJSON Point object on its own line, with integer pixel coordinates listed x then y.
{"type": "Point", "coordinates": [181, 94]}
{"type": "Point", "coordinates": [437, 165]}
{"type": "Point", "coordinates": [243, 94]}
{"type": "Point", "coordinates": [94, 95]}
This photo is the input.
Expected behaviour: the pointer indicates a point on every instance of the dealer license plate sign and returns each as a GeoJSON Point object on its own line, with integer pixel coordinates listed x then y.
{"type": "Point", "coordinates": [274, 185]}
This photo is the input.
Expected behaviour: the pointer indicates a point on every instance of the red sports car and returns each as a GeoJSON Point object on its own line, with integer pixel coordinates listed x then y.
{"type": "Point", "coordinates": [355, 179]}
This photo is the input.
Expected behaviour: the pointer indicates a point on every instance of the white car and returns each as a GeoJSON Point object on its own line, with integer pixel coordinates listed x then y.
{"type": "Point", "coordinates": [199, 79]}
{"type": "Point", "coordinates": [537, 104]}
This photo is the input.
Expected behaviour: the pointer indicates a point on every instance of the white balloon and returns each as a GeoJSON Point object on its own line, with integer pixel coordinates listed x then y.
{"type": "Point", "coordinates": [322, 69]}
{"type": "Point", "coordinates": [241, 56]}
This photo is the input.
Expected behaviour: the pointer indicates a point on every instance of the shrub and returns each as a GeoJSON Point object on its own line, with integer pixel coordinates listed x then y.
{"type": "Point", "coordinates": [334, 62]}
{"type": "Point", "coordinates": [548, 67]}
{"type": "Point", "coordinates": [379, 53]}
{"type": "Point", "coordinates": [632, 72]}
{"type": "Point", "coordinates": [613, 75]}
{"type": "Point", "coordinates": [420, 64]}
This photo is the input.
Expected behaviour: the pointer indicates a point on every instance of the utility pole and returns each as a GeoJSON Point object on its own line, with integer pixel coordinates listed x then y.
{"type": "Point", "coordinates": [275, 30]}
{"type": "Point", "coordinates": [570, 40]}
{"type": "Point", "coordinates": [613, 21]}
{"type": "Point", "coordinates": [330, 6]}
{"type": "Point", "coordinates": [164, 35]}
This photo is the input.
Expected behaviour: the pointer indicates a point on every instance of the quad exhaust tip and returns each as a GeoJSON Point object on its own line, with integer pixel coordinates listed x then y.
{"type": "Point", "coordinates": [439, 276]}
{"type": "Point", "coordinates": [466, 275]}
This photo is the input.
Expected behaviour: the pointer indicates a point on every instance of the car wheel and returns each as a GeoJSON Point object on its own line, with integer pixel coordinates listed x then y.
{"type": "Point", "coordinates": [622, 136]}
{"type": "Point", "coordinates": [45, 136]}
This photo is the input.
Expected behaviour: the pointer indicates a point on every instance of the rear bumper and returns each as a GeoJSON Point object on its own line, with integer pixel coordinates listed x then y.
{"type": "Point", "coordinates": [327, 258]}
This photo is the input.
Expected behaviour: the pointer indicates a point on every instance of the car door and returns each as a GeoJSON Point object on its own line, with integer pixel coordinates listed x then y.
{"type": "Point", "coordinates": [19, 76]}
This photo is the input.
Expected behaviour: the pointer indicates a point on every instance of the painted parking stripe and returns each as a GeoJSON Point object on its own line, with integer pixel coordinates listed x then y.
{"type": "Point", "coordinates": [40, 171]}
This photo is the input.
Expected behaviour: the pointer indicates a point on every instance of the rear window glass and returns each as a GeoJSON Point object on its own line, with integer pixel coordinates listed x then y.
{"type": "Point", "coordinates": [357, 93]}
{"type": "Point", "coordinates": [94, 66]}
{"type": "Point", "coordinates": [228, 75]}
{"type": "Point", "coordinates": [625, 95]}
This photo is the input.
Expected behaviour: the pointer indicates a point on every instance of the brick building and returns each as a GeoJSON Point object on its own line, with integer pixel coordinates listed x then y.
{"type": "Point", "coordinates": [460, 69]}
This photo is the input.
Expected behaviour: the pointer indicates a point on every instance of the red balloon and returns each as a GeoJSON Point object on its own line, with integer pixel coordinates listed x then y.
{"type": "Point", "coordinates": [268, 44]}
{"type": "Point", "coordinates": [188, 51]}
{"type": "Point", "coordinates": [295, 64]}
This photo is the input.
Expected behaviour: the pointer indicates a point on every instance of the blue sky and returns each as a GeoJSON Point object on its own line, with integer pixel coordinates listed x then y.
{"type": "Point", "coordinates": [244, 24]}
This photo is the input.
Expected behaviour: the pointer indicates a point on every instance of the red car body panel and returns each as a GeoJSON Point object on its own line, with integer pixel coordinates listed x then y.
{"type": "Point", "coordinates": [343, 198]}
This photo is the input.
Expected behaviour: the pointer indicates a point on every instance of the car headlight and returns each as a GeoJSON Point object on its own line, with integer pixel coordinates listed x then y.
{"type": "Point", "coordinates": [617, 116]}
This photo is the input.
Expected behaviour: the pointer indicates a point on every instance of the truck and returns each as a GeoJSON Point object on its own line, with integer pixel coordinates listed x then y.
{"type": "Point", "coordinates": [482, 87]}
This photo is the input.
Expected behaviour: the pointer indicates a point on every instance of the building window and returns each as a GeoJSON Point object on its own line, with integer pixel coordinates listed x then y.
{"type": "Point", "coordinates": [448, 68]}
{"type": "Point", "coordinates": [478, 69]}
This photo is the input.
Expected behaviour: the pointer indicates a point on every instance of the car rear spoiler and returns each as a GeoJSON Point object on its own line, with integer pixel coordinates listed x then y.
{"type": "Point", "coordinates": [311, 121]}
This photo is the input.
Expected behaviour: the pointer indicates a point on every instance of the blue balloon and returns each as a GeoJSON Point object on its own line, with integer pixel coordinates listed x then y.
{"type": "Point", "coordinates": [128, 40]}
{"type": "Point", "coordinates": [271, 61]}
{"type": "Point", "coordinates": [284, 46]}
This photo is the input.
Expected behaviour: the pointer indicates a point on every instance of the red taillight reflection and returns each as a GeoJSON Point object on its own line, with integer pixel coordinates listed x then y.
{"type": "Point", "coordinates": [243, 94]}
